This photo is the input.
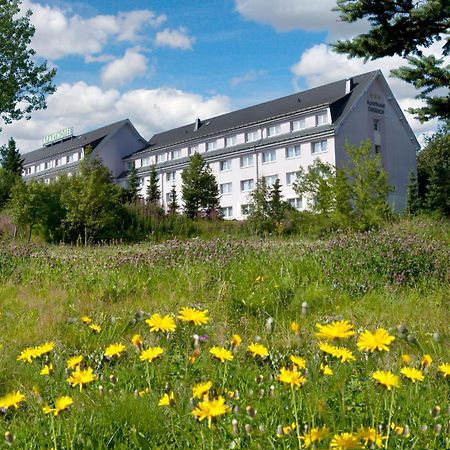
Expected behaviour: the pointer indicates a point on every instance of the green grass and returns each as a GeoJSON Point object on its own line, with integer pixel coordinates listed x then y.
{"type": "Point", "coordinates": [381, 279]}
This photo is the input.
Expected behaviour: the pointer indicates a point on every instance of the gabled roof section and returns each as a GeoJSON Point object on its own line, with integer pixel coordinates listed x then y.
{"type": "Point", "coordinates": [92, 138]}
{"type": "Point", "coordinates": [332, 95]}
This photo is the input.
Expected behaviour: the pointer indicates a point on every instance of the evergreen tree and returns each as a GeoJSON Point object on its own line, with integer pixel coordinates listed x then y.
{"type": "Point", "coordinates": [276, 204]}
{"type": "Point", "coordinates": [413, 203]}
{"type": "Point", "coordinates": [200, 191]}
{"type": "Point", "coordinates": [133, 184]}
{"type": "Point", "coordinates": [259, 219]}
{"type": "Point", "coordinates": [24, 84]}
{"type": "Point", "coordinates": [153, 192]}
{"type": "Point", "coordinates": [404, 28]}
{"type": "Point", "coordinates": [173, 205]}
{"type": "Point", "coordinates": [10, 158]}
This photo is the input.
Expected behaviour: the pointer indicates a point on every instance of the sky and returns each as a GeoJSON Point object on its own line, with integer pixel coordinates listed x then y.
{"type": "Point", "coordinates": [163, 63]}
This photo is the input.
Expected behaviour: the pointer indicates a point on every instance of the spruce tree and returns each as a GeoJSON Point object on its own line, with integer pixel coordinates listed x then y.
{"type": "Point", "coordinates": [200, 191]}
{"type": "Point", "coordinates": [10, 158]}
{"type": "Point", "coordinates": [133, 184]}
{"type": "Point", "coordinates": [404, 28]}
{"type": "Point", "coordinates": [259, 219]}
{"type": "Point", "coordinates": [173, 204]}
{"type": "Point", "coordinates": [153, 193]}
{"type": "Point", "coordinates": [414, 204]}
{"type": "Point", "coordinates": [277, 207]}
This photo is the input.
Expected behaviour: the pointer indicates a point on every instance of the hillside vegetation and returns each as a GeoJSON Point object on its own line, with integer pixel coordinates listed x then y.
{"type": "Point", "coordinates": [345, 387]}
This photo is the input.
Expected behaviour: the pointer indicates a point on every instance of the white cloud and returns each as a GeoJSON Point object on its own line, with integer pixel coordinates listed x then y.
{"type": "Point", "coordinates": [174, 39]}
{"type": "Point", "coordinates": [249, 76]}
{"type": "Point", "coordinates": [98, 59]}
{"type": "Point", "coordinates": [86, 107]}
{"type": "Point", "coordinates": [60, 33]}
{"type": "Point", "coordinates": [124, 70]}
{"type": "Point", "coordinates": [320, 65]}
{"type": "Point", "coordinates": [286, 15]}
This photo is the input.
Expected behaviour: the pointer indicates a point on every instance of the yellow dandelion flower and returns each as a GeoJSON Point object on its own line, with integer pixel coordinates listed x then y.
{"type": "Point", "coordinates": [167, 399]}
{"type": "Point", "coordinates": [61, 404]}
{"type": "Point", "coordinates": [47, 369]}
{"type": "Point", "coordinates": [336, 330]}
{"type": "Point", "coordinates": [259, 279]}
{"type": "Point", "coordinates": [370, 436]}
{"type": "Point", "coordinates": [211, 409]}
{"type": "Point", "coordinates": [258, 350]}
{"type": "Point", "coordinates": [445, 369]}
{"type": "Point", "coordinates": [298, 361]}
{"type": "Point", "coordinates": [406, 359]}
{"type": "Point", "coordinates": [236, 341]}
{"type": "Point", "coordinates": [295, 327]}
{"type": "Point", "coordinates": [325, 369]}
{"type": "Point", "coordinates": [114, 350]}
{"type": "Point", "coordinates": [412, 374]}
{"type": "Point", "coordinates": [12, 400]}
{"type": "Point", "coordinates": [151, 354]}
{"type": "Point", "coordinates": [137, 340]}
{"type": "Point", "coordinates": [45, 348]}
{"type": "Point", "coordinates": [221, 353]}
{"type": "Point", "coordinates": [200, 389]}
{"type": "Point", "coordinates": [315, 435]}
{"type": "Point", "coordinates": [143, 392]}
{"type": "Point", "coordinates": [74, 361]}
{"type": "Point", "coordinates": [345, 441]}
{"type": "Point", "coordinates": [28, 354]}
{"type": "Point", "coordinates": [95, 328]}
{"type": "Point", "coordinates": [86, 319]}
{"type": "Point", "coordinates": [386, 379]}
{"type": "Point", "coordinates": [380, 340]}
{"type": "Point", "coordinates": [166, 324]}
{"type": "Point", "coordinates": [342, 353]}
{"type": "Point", "coordinates": [82, 377]}
{"type": "Point", "coordinates": [195, 316]}
{"type": "Point", "coordinates": [291, 377]}
{"type": "Point", "coordinates": [426, 360]}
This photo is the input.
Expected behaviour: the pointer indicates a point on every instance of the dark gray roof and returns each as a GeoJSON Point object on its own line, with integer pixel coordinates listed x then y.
{"type": "Point", "coordinates": [91, 137]}
{"type": "Point", "coordinates": [332, 94]}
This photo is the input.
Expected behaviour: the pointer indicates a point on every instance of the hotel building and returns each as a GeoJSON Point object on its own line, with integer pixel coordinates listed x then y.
{"type": "Point", "coordinates": [273, 140]}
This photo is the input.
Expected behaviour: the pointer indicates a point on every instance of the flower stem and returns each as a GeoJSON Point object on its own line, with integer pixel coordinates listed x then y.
{"type": "Point", "coordinates": [297, 427]}
{"type": "Point", "coordinates": [55, 446]}
{"type": "Point", "coordinates": [391, 408]}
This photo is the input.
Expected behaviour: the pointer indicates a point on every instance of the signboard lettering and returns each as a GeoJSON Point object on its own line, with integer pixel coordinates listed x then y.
{"type": "Point", "coordinates": [58, 136]}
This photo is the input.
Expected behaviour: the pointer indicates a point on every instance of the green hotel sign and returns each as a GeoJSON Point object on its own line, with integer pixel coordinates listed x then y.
{"type": "Point", "coordinates": [58, 136]}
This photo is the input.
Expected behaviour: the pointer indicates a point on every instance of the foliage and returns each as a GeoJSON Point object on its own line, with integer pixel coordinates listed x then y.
{"type": "Point", "coordinates": [413, 203]}
{"type": "Point", "coordinates": [24, 84]}
{"type": "Point", "coordinates": [173, 204]}
{"type": "Point", "coordinates": [276, 203]}
{"type": "Point", "coordinates": [10, 158]}
{"type": "Point", "coordinates": [433, 168]}
{"type": "Point", "coordinates": [133, 184]}
{"type": "Point", "coordinates": [200, 191]}
{"type": "Point", "coordinates": [404, 28]}
{"type": "Point", "coordinates": [153, 191]}
{"type": "Point", "coordinates": [259, 220]}
{"type": "Point", "coordinates": [7, 181]}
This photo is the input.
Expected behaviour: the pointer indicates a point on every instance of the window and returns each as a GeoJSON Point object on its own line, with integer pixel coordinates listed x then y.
{"type": "Point", "coordinates": [293, 151]}
{"type": "Point", "coordinates": [225, 188]}
{"type": "Point", "coordinates": [377, 149]}
{"type": "Point", "coordinates": [376, 125]}
{"type": "Point", "coordinates": [319, 147]}
{"type": "Point", "coordinates": [225, 165]}
{"type": "Point", "coordinates": [80, 155]}
{"type": "Point", "coordinates": [270, 180]}
{"type": "Point", "coordinates": [174, 154]}
{"type": "Point", "coordinates": [192, 149]}
{"type": "Point", "coordinates": [227, 212]}
{"type": "Point", "coordinates": [160, 158]}
{"type": "Point", "coordinates": [170, 176]}
{"type": "Point", "coordinates": [145, 161]}
{"type": "Point", "coordinates": [246, 209]}
{"type": "Point", "coordinates": [291, 177]}
{"type": "Point", "coordinates": [141, 182]}
{"type": "Point", "coordinates": [247, 185]}
{"type": "Point", "coordinates": [168, 197]}
{"type": "Point", "coordinates": [70, 159]}
{"type": "Point", "coordinates": [298, 125]}
{"type": "Point", "coordinates": [295, 202]}
{"type": "Point", "coordinates": [321, 119]}
{"type": "Point", "coordinates": [247, 161]}
{"type": "Point", "coordinates": [273, 130]}
{"type": "Point", "coordinates": [252, 136]}
{"type": "Point", "coordinates": [212, 145]}
{"type": "Point", "coordinates": [230, 141]}
{"type": "Point", "coordinates": [269, 156]}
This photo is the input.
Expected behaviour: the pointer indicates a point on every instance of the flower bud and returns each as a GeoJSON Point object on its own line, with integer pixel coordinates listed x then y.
{"type": "Point", "coordinates": [269, 325]}
{"type": "Point", "coordinates": [280, 431]}
{"type": "Point", "coordinates": [259, 379]}
{"type": "Point", "coordinates": [101, 390]}
{"type": "Point", "coordinates": [406, 431]}
{"type": "Point", "coordinates": [258, 339]}
{"type": "Point", "coordinates": [435, 411]}
{"type": "Point", "coordinates": [438, 428]}
{"type": "Point", "coordinates": [436, 336]}
{"type": "Point", "coordinates": [424, 428]}
{"type": "Point", "coordinates": [248, 428]}
{"type": "Point", "coordinates": [235, 426]}
{"type": "Point", "coordinates": [9, 437]}
{"type": "Point", "coordinates": [304, 308]}
{"type": "Point", "coordinates": [113, 379]}
{"type": "Point", "coordinates": [272, 390]}
{"type": "Point", "coordinates": [262, 428]}
{"type": "Point", "coordinates": [250, 411]}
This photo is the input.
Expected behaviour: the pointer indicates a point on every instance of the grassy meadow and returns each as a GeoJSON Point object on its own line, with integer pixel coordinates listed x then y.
{"type": "Point", "coordinates": [61, 303]}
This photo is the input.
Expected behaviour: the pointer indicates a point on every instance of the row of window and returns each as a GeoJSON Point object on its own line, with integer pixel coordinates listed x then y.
{"type": "Point", "coordinates": [61, 161]}
{"type": "Point", "coordinates": [227, 211]}
{"type": "Point", "coordinates": [250, 136]}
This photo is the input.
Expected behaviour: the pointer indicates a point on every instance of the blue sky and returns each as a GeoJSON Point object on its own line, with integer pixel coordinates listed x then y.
{"type": "Point", "coordinates": [163, 63]}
